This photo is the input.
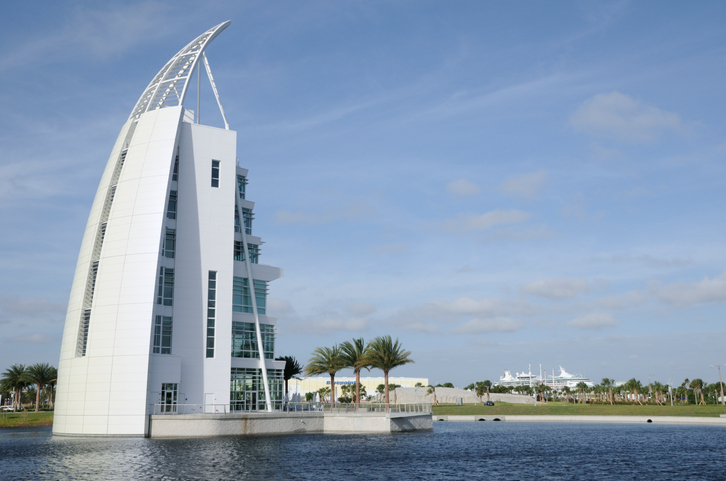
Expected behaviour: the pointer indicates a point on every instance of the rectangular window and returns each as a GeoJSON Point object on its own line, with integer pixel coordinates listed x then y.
{"type": "Point", "coordinates": [241, 183]}
{"type": "Point", "coordinates": [171, 207]}
{"type": "Point", "coordinates": [215, 173]}
{"type": "Point", "coordinates": [211, 311]}
{"type": "Point", "coordinates": [241, 301]}
{"type": "Point", "coordinates": [169, 244]}
{"type": "Point", "coordinates": [168, 397]}
{"type": "Point", "coordinates": [165, 292]}
{"type": "Point", "coordinates": [175, 174]}
{"type": "Point", "coordinates": [162, 335]}
{"type": "Point", "coordinates": [248, 216]}
{"type": "Point", "coordinates": [254, 252]}
{"type": "Point", "coordinates": [237, 224]}
{"type": "Point", "coordinates": [244, 340]}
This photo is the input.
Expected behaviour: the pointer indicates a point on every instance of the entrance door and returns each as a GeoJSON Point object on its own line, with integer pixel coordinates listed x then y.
{"type": "Point", "coordinates": [168, 397]}
{"type": "Point", "coordinates": [209, 402]}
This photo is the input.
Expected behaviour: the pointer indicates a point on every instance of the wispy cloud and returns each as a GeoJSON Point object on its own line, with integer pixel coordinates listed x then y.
{"type": "Point", "coordinates": [462, 188]}
{"type": "Point", "coordinates": [353, 211]}
{"type": "Point", "coordinates": [525, 186]}
{"type": "Point", "coordinates": [620, 117]}
{"type": "Point", "coordinates": [560, 288]}
{"type": "Point", "coordinates": [593, 320]}
{"type": "Point", "coordinates": [685, 294]}
{"type": "Point", "coordinates": [479, 222]}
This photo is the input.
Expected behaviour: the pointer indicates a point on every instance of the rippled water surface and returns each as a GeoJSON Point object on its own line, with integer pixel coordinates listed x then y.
{"type": "Point", "coordinates": [484, 450]}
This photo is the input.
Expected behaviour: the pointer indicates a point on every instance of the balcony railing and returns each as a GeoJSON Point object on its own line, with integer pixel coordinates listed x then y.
{"type": "Point", "coordinates": [293, 408]}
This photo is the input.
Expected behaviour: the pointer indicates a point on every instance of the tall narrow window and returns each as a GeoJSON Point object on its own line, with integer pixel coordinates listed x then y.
{"type": "Point", "coordinates": [241, 183]}
{"type": "Point", "coordinates": [171, 207]}
{"type": "Point", "coordinates": [237, 224]}
{"type": "Point", "coordinates": [215, 173]}
{"type": "Point", "coordinates": [248, 216]}
{"type": "Point", "coordinates": [162, 335]}
{"type": "Point", "coordinates": [169, 244]}
{"type": "Point", "coordinates": [175, 174]}
{"type": "Point", "coordinates": [211, 311]}
{"type": "Point", "coordinates": [165, 292]}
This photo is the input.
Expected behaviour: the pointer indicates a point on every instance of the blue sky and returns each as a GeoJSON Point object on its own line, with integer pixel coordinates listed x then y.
{"type": "Point", "coordinates": [495, 184]}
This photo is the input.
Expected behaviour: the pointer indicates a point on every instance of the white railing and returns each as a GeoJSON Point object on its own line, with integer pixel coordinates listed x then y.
{"type": "Point", "coordinates": [292, 408]}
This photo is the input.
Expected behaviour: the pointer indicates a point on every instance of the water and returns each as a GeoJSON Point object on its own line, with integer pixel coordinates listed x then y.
{"type": "Point", "coordinates": [483, 450]}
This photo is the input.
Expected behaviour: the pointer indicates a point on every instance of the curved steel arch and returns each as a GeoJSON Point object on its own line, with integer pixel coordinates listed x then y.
{"type": "Point", "coordinates": [169, 86]}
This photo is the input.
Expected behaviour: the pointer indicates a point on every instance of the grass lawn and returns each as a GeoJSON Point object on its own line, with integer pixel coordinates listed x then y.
{"type": "Point", "coordinates": [23, 419]}
{"type": "Point", "coordinates": [557, 408]}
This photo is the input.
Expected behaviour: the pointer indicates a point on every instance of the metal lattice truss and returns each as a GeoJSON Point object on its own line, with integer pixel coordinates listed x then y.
{"type": "Point", "coordinates": [169, 87]}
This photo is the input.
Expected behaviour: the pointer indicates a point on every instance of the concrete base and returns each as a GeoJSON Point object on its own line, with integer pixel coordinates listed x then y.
{"type": "Point", "coordinates": [201, 425]}
{"type": "Point", "coordinates": [588, 419]}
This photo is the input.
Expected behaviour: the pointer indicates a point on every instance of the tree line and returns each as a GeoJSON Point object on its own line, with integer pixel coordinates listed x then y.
{"type": "Point", "coordinates": [20, 379]}
{"type": "Point", "coordinates": [381, 353]}
{"type": "Point", "coordinates": [690, 391]}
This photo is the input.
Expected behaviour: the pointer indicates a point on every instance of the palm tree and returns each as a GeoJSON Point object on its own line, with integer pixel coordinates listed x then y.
{"type": "Point", "coordinates": [697, 385]}
{"type": "Point", "coordinates": [355, 356]}
{"type": "Point", "coordinates": [432, 390]}
{"type": "Point", "coordinates": [326, 360]}
{"type": "Point", "coordinates": [608, 384]}
{"type": "Point", "coordinates": [385, 354]}
{"type": "Point", "coordinates": [582, 388]}
{"type": "Point", "coordinates": [41, 375]}
{"type": "Point", "coordinates": [15, 379]}
{"type": "Point", "coordinates": [292, 369]}
{"type": "Point", "coordinates": [567, 391]}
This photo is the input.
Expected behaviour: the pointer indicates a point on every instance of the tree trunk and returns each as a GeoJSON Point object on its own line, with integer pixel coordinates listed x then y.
{"type": "Point", "coordinates": [385, 387]}
{"type": "Point", "coordinates": [286, 380]}
{"type": "Point", "coordinates": [37, 399]}
{"type": "Point", "coordinates": [332, 390]}
{"type": "Point", "coordinates": [357, 388]}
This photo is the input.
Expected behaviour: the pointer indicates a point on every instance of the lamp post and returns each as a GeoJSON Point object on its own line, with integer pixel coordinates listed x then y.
{"type": "Point", "coordinates": [720, 383]}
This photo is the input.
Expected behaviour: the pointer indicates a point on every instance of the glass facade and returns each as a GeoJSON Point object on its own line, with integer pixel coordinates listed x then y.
{"type": "Point", "coordinates": [241, 185]}
{"type": "Point", "coordinates": [241, 301]}
{"type": "Point", "coordinates": [247, 392]}
{"type": "Point", "coordinates": [252, 248]}
{"type": "Point", "coordinates": [244, 340]}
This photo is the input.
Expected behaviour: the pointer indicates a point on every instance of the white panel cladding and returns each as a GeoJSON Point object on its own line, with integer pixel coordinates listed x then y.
{"type": "Point", "coordinates": [204, 242]}
{"type": "Point", "coordinates": [105, 391]}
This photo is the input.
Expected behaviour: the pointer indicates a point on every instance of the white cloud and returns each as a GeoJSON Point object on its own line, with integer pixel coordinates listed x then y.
{"type": "Point", "coordinates": [477, 222]}
{"type": "Point", "coordinates": [463, 188]}
{"type": "Point", "coordinates": [498, 324]}
{"type": "Point", "coordinates": [560, 288]}
{"type": "Point", "coordinates": [594, 320]}
{"type": "Point", "coordinates": [682, 294]}
{"type": "Point", "coordinates": [527, 186]}
{"type": "Point", "coordinates": [623, 118]}
{"type": "Point", "coordinates": [507, 234]}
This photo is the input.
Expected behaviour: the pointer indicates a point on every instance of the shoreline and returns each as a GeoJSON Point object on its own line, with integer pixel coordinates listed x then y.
{"type": "Point", "coordinates": [583, 418]}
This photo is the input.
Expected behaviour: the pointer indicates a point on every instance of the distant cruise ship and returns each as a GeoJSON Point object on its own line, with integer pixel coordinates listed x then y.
{"type": "Point", "coordinates": [556, 382]}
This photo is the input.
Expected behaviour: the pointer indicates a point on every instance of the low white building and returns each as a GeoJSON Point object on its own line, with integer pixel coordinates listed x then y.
{"type": "Point", "coordinates": [160, 310]}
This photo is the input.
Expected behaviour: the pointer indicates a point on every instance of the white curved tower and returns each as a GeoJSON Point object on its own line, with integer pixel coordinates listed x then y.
{"type": "Point", "coordinates": [160, 313]}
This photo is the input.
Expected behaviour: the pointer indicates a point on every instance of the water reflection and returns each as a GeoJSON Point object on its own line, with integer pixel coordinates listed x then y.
{"type": "Point", "coordinates": [452, 451]}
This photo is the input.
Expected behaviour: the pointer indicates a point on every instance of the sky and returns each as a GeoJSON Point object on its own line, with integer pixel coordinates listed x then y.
{"type": "Point", "coordinates": [498, 185]}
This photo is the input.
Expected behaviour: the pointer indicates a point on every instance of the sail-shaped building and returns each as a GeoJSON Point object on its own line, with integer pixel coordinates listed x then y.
{"type": "Point", "coordinates": [168, 302]}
